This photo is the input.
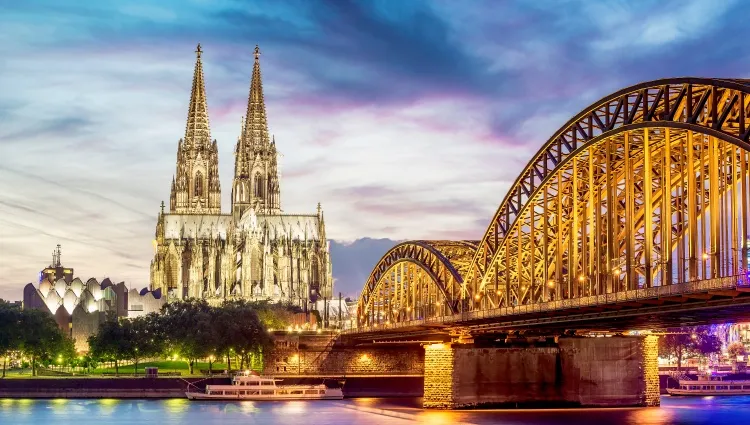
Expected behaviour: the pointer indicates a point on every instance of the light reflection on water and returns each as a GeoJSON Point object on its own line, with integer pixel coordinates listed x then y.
{"type": "Point", "coordinates": [674, 411]}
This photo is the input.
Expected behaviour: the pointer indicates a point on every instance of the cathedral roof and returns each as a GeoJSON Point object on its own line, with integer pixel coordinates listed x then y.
{"type": "Point", "coordinates": [283, 226]}
{"type": "Point", "coordinates": [201, 226]}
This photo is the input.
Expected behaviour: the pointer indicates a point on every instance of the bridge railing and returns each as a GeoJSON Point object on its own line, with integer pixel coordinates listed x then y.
{"type": "Point", "coordinates": [678, 289]}
{"type": "Point", "coordinates": [741, 281]}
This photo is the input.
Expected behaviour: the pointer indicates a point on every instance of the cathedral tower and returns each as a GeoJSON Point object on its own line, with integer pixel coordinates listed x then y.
{"type": "Point", "coordinates": [256, 179]}
{"type": "Point", "coordinates": [195, 186]}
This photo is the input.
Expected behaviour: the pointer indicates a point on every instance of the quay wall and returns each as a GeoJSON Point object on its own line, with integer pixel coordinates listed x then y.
{"type": "Point", "coordinates": [75, 387]}
{"type": "Point", "coordinates": [143, 388]}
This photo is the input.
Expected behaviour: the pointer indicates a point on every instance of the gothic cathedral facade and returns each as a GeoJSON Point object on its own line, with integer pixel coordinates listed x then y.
{"type": "Point", "coordinates": [254, 252]}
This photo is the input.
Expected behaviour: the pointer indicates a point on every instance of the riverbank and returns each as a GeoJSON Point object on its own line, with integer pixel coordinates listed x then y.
{"type": "Point", "coordinates": [156, 388]}
{"type": "Point", "coordinates": [125, 388]}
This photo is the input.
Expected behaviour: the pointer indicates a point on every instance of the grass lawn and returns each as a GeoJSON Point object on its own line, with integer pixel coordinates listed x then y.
{"type": "Point", "coordinates": [164, 366]}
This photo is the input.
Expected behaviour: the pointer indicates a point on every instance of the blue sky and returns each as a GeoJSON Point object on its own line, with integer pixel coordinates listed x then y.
{"type": "Point", "coordinates": [406, 119]}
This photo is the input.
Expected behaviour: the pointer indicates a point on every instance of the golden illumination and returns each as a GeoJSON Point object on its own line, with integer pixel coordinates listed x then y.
{"type": "Point", "coordinates": [628, 242]}
{"type": "Point", "coordinates": [195, 197]}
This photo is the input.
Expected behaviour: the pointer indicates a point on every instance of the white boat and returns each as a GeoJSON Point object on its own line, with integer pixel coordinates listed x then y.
{"type": "Point", "coordinates": [248, 386]}
{"type": "Point", "coordinates": [715, 386]}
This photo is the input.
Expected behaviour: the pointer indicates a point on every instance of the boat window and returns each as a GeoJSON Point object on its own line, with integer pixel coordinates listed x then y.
{"type": "Point", "coordinates": [267, 392]}
{"type": "Point", "coordinates": [296, 392]}
{"type": "Point", "coordinates": [736, 387]}
{"type": "Point", "coordinates": [322, 392]}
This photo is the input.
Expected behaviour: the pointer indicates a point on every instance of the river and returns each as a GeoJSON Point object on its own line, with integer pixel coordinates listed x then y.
{"type": "Point", "coordinates": [674, 411]}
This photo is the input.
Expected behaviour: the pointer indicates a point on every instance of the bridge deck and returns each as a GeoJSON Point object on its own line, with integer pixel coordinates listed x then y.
{"type": "Point", "coordinates": [689, 303]}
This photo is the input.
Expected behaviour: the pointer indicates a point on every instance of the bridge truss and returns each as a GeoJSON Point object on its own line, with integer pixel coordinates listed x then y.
{"type": "Point", "coordinates": [646, 188]}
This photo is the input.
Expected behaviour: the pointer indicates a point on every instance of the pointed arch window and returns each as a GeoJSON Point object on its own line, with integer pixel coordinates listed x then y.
{"type": "Point", "coordinates": [258, 185]}
{"type": "Point", "coordinates": [198, 184]}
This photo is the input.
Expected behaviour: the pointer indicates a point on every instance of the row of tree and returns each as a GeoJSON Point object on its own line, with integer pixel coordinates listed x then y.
{"type": "Point", "coordinates": [194, 330]}
{"type": "Point", "coordinates": [685, 342]}
{"type": "Point", "coordinates": [34, 333]}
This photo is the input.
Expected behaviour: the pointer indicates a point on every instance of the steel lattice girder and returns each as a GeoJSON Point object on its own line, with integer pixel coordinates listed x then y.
{"type": "Point", "coordinates": [445, 262]}
{"type": "Point", "coordinates": [718, 108]}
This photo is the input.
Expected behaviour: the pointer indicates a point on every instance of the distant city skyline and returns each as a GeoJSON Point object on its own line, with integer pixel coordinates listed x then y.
{"type": "Point", "coordinates": [406, 120]}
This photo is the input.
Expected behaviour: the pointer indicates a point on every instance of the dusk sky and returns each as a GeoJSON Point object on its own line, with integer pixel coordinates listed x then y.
{"type": "Point", "coordinates": [406, 119]}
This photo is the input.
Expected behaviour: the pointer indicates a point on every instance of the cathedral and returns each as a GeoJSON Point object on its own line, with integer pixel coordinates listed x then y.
{"type": "Point", "coordinates": [256, 251]}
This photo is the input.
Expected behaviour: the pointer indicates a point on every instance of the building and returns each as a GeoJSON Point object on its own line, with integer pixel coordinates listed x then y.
{"type": "Point", "coordinates": [254, 251]}
{"type": "Point", "coordinates": [78, 307]}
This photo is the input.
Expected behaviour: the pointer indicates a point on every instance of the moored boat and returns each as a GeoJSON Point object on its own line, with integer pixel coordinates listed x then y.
{"type": "Point", "coordinates": [249, 386]}
{"type": "Point", "coordinates": [711, 387]}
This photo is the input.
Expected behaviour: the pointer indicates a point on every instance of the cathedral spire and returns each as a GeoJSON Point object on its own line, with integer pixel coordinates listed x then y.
{"type": "Point", "coordinates": [197, 131]}
{"type": "Point", "coordinates": [256, 126]}
{"type": "Point", "coordinates": [195, 188]}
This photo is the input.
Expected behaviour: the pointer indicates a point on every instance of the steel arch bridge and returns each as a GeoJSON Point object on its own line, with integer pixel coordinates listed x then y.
{"type": "Point", "coordinates": [644, 192]}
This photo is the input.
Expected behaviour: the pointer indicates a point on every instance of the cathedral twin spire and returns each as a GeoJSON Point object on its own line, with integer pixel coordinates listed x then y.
{"type": "Point", "coordinates": [195, 187]}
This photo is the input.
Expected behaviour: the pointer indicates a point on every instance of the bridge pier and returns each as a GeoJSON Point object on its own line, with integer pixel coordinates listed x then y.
{"type": "Point", "coordinates": [604, 372]}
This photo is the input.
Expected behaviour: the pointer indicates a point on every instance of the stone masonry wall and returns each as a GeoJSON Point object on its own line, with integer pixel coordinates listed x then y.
{"type": "Point", "coordinates": [650, 368]}
{"type": "Point", "coordinates": [313, 356]}
{"type": "Point", "coordinates": [615, 371]}
{"type": "Point", "coordinates": [603, 371]}
{"type": "Point", "coordinates": [505, 375]}
{"type": "Point", "coordinates": [439, 361]}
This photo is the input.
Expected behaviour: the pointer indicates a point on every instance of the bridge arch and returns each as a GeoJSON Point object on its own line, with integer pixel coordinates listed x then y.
{"type": "Point", "coordinates": [415, 280]}
{"type": "Point", "coordinates": [621, 197]}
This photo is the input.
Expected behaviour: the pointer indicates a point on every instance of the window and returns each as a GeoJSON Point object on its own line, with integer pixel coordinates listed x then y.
{"type": "Point", "coordinates": [259, 185]}
{"type": "Point", "coordinates": [198, 184]}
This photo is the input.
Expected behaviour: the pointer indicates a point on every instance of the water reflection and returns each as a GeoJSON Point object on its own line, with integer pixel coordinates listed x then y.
{"type": "Point", "coordinates": [177, 406]}
{"type": "Point", "coordinates": [107, 406]}
{"type": "Point", "coordinates": [674, 411]}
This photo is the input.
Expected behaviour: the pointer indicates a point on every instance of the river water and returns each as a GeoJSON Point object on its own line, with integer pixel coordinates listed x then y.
{"type": "Point", "coordinates": [674, 411]}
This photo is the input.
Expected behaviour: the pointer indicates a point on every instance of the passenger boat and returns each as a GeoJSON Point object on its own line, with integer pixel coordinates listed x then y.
{"type": "Point", "coordinates": [715, 386]}
{"type": "Point", "coordinates": [249, 386]}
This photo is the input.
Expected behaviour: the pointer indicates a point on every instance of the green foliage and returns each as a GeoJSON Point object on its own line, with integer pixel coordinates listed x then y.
{"type": "Point", "coordinates": [109, 343]}
{"type": "Point", "coordinates": [10, 336]}
{"type": "Point", "coordinates": [241, 330]}
{"type": "Point", "coordinates": [274, 315]}
{"type": "Point", "coordinates": [41, 338]}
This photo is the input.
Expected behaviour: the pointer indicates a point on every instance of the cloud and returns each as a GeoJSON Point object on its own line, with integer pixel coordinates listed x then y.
{"type": "Point", "coordinates": [406, 120]}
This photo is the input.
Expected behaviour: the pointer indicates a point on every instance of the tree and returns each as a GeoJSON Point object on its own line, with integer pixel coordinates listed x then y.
{"type": "Point", "coordinates": [275, 315]}
{"type": "Point", "coordinates": [141, 338]}
{"type": "Point", "coordinates": [189, 327]}
{"type": "Point", "coordinates": [735, 349]}
{"type": "Point", "coordinates": [109, 342]}
{"type": "Point", "coordinates": [40, 337]}
{"type": "Point", "coordinates": [9, 331]}
{"type": "Point", "coordinates": [242, 329]}
{"type": "Point", "coordinates": [688, 341]}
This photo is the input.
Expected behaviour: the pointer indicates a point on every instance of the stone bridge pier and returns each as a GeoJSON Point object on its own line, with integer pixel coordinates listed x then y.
{"type": "Point", "coordinates": [575, 371]}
